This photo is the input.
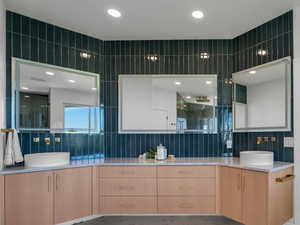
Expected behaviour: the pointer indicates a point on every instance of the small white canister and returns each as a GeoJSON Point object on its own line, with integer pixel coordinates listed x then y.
{"type": "Point", "coordinates": [161, 152]}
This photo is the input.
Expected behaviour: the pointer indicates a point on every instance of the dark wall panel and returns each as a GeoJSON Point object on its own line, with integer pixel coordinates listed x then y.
{"type": "Point", "coordinates": [174, 57]}
{"type": "Point", "coordinates": [276, 37]}
{"type": "Point", "coordinates": [30, 39]}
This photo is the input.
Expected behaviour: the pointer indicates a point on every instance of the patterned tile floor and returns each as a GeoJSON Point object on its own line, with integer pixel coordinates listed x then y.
{"type": "Point", "coordinates": [161, 220]}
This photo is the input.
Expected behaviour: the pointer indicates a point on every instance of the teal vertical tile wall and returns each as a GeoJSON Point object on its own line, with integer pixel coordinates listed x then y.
{"type": "Point", "coordinates": [174, 57]}
{"type": "Point", "coordinates": [275, 36]}
{"type": "Point", "coordinates": [30, 39]}
{"type": "Point", "coordinates": [34, 40]}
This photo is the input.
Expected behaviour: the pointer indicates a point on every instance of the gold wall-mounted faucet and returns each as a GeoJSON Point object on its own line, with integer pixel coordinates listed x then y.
{"type": "Point", "coordinates": [47, 141]}
{"type": "Point", "coordinates": [260, 140]}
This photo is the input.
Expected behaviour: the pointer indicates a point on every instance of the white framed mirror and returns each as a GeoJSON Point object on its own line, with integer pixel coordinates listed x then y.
{"type": "Point", "coordinates": [54, 99]}
{"type": "Point", "coordinates": [262, 98]}
{"type": "Point", "coordinates": [168, 103]}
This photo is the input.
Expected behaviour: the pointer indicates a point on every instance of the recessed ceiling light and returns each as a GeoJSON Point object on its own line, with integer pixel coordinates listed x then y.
{"type": "Point", "coordinates": [114, 13]}
{"type": "Point", "coordinates": [177, 83]}
{"type": "Point", "coordinates": [94, 89]}
{"type": "Point", "coordinates": [50, 73]}
{"type": "Point", "coordinates": [188, 97]}
{"type": "Point", "coordinates": [262, 52]}
{"type": "Point", "coordinates": [252, 72]}
{"type": "Point", "coordinates": [25, 88]}
{"type": "Point", "coordinates": [208, 82]}
{"type": "Point", "coordinates": [197, 14]}
{"type": "Point", "coordinates": [72, 81]}
{"type": "Point", "coordinates": [26, 96]}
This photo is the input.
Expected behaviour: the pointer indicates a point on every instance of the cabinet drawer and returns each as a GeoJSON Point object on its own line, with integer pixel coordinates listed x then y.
{"type": "Point", "coordinates": [186, 171]}
{"type": "Point", "coordinates": [126, 186]}
{"type": "Point", "coordinates": [127, 172]}
{"type": "Point", "coordinates": [128, 205]}
{"type": "Point", "coordinates": [197, 187]}
{"type": "Point", "coordinates": [187, 205]}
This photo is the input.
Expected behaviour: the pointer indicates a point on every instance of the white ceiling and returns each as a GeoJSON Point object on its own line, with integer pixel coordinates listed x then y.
{"type": "Point", "coordinates": [156, 19]}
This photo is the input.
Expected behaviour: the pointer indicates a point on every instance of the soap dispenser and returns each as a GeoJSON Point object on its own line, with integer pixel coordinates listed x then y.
{"type": "Point", "coordinates": [161, 152]}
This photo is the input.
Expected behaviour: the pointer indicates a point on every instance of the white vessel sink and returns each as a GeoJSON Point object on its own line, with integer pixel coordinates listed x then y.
{"type": "Point", "coordinates": [257, 158]}
{"type": "Point", "coordinates": [48, 159]}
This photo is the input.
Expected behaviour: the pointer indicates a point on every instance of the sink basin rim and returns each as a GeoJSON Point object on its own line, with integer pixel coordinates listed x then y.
{"type": "Point", "coordinates": [257, 158]}
{"type": "Point", "coordinates": [47, 159]}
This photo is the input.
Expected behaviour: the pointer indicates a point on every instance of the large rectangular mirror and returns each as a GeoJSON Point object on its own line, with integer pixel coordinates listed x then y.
{"type": "Point", "coordinates": [262, 97]}
{"type": "Point", "coordinates": [56, 99]}
{"type": "Point", "coordinates": [167, 103]}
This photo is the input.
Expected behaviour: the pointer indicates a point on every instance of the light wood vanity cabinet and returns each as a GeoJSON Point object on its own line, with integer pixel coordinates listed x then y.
{"type": "Point", "coordinates": [231, 193]}
{"type": "Point", "coordinates": [52, 197]}
{"type": "Point", "coordinates": [127, 189]}
{"type": "Point", "coordinates": [186, 189]}
{"type": "Point", "coordinates": [47, 198]}
{"type": "Point", "coordinates": [29, 199]}
{"type": "Point", "coordinates": [73, 194]}
{"type": "Point", "coordinates": [256, 198]}
{"type": "Point", "coordinates": [1, 200]}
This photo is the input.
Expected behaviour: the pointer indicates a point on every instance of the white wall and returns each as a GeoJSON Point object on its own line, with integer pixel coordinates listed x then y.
{"type": "Point", "coordinates": [2, 76]}
{"type": "Point", "coordinates": [266, 99]}
{"type": "Point", "coordinates": [297, 111]}
{"type": "Point", "coordinates": [59, 97]}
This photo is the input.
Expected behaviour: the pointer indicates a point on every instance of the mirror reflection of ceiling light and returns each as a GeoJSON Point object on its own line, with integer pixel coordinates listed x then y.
{"type": "Point", "coordinates": [262, 52]}
{"type": "Point", "coordinates": [72, 81]}
{"type": "Point", "coordinates": [178, 83]}
{"type": "Point", "coordinates": [85, 55]}
{"type": "Point", "coordinates": [114, 13]}
{"type": "Point", "coordinates": [50, 73]}
{"type": "Point", "coordinates": [25, 88]}
{"type": "Point", "coordinates": [188, 97]}
{"type": "Point", "coordinates": [252, 72]}
{"type": "Point", "coordinates": [197, 14]}
{"type": "Point", "coordinates": [204, 55]}
{"type": "Point", "coordinates": [26, 96]}
{"type": "Point", "coordinates": [208, 82]}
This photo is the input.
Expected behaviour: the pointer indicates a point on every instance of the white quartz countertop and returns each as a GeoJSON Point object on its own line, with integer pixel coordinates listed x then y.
{"type": "Point", "coordinates": [220, 161]}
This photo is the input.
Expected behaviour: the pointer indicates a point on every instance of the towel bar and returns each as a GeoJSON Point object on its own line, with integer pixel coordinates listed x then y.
{"type": "Point", "coordinates": [7, 130]}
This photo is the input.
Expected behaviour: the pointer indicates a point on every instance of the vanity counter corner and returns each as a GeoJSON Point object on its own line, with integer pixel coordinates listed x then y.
{"type": "Point", "coordinates": [209, 161]}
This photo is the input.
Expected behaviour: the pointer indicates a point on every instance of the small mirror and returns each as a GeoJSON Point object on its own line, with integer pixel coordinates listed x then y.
{"type": "Point", "coordinates": [262, 97]}
{"type": "Point", "coordinates": [167, 103]}
{"type": "Point", "coordinates": [55, 99]}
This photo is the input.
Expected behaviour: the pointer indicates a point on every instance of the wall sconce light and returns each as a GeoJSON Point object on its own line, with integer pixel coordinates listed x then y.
{"type": "Point", "coordinates": [262, 52]}
{"type": "Point", "coordinates": [152, 58]}
{"type": "Point", "coordinates": [204, 55]}
{"type": "Point", "coordinates": [85, 55]}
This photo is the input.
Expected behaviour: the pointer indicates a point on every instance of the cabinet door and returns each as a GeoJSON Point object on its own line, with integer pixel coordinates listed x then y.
{"type": "Point", "coordinates": [29, 199]}
{"type": "Point", "coordinates": [231, 193]}
{"type": "Point", "coordinates": [255, 196]}
{"type": "Point", "coordinates": [73, 194]}
{"type": "Point", "coordinates": [1, 200]}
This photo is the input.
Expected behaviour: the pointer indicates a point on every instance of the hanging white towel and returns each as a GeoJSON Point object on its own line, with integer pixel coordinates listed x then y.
{"type": "Point", "coordinates": [9, 154]}
{"type": "Point", "coordinates": [18, 157]}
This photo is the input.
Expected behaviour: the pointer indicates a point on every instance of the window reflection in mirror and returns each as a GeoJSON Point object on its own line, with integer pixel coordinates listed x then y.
{"type": "Point", "coordinates": [55, 99]}
{"type": "Point", "coordinates": [167, 103]}
{"type": "Point", "coordinates": [263, 97]}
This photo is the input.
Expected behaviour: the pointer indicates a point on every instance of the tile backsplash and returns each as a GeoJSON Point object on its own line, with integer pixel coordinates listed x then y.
{"type": "Point", "coordinates": [38, 41]}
